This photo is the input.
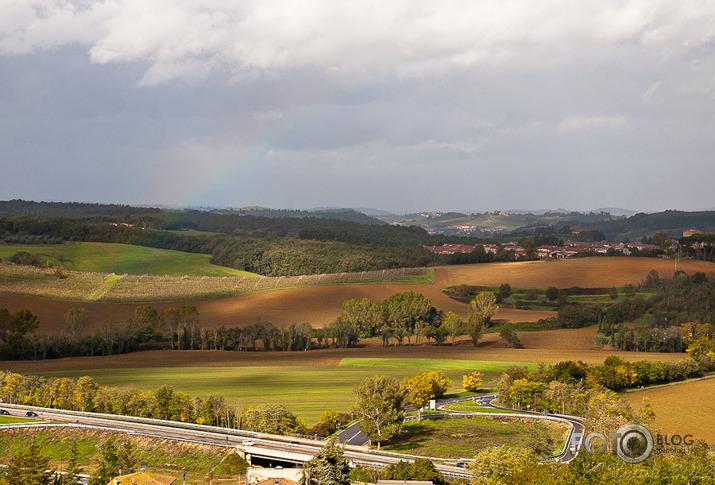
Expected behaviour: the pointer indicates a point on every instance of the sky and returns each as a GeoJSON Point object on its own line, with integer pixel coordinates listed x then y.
{"type": "Point", "coordinates": [403, 105]}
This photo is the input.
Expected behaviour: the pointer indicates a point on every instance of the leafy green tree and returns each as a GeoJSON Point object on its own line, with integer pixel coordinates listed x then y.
{"type": "Point", "coordinates": [29, 467]}
{"type": "Point", "coordinates": [481, 309]}
{"type": "Point", "coordinates": [422, 469]}
{"type": "Point", "coordinates": [509, 334]}
{"type": "Point", "coordinates": [403, 310]}
{"type": "Point", "coordinates": [453, 325]}
{"type": "Point", "coordinates": [127, 460]}
{"type": "Point", "coordinates": [529, 245]}
{"type": "Point", "coordinates": [402, 470]}
{"type": "Point", "coordinates": [661, 240]}
{"type": "Point", "coordinates": [169, 319]}
{"type": "Point", "coordinates": [327, 467]}
{"type": "Point", "coordinates": [552, 293]}
{"type": "Point", "coordinates": [364, 314]}
{"type": "Point", "coordinates": [144, 322]}
{"type": "Point", "coordinates": [16, 341]}
{"type": "Point", "coordinates": [495, 464]}
{"type": "Point", "coordinates": [108, 466]}
{"type": "Point", "coordinates": [380, 402]}
{"type": "Point", "coordinates": [72, 472]}
{"type": "Point", "coordinates": [76, 322]}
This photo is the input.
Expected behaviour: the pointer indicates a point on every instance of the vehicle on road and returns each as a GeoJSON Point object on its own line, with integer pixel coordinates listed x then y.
{"type": "Point", "coordinates": [31, 414]}
{"type": "Point", "coordinates": [4, 413]}
{"type": "Point", "coordinates": [248, 443]}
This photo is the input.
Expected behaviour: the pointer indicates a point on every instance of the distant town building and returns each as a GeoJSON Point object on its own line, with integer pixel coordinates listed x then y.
{"type": "Point", "coordinates": [570, 248]}
{"type": "Point", "coordinates": [452, 248]}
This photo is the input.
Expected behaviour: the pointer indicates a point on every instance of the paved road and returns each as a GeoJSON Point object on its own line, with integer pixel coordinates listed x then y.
{"type": "Point", "coordinates": [263, 445]}
{"type": "Point", "coordinates": [273, 446]}
{"type": "Point", "coordinates": [352, 435]}
{"type": "Point", "coordinates": [575, 441]}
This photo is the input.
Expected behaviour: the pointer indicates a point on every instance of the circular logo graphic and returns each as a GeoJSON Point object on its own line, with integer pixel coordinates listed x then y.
{"type": "Point", "coordinates": [634, 444]}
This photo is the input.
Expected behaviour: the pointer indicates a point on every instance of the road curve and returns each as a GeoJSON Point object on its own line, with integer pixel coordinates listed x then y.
{"type": "Point", "coordinates": [261, 443]}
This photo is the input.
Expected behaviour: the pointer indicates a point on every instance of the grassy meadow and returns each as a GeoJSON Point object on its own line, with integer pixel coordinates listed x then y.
{"type": "Point", "coordinates": [120, 259]}
{"type": "Point", "coordinates": [306, 382]}
{"type": "Point", "coordinates": [461, 437]}
{"type": "Point", "coordinates": [307, 390]}
{"type": "Point", "coordinates": [310, 382]}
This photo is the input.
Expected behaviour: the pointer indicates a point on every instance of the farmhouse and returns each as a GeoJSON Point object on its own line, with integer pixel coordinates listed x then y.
{"type": "Point", "coordinates": [448, 248]}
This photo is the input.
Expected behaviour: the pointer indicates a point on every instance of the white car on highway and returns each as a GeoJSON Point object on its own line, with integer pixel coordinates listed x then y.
{"type": "Point", "coordinates": [248, 443]}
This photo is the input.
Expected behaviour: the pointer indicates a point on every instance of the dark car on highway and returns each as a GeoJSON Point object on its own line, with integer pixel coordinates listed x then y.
{"type": "Point", "coordinates": [31, 414]}
{"type": "Point", "coordinates": [3, 412]}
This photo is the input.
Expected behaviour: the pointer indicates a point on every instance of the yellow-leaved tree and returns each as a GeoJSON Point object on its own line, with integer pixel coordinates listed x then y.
{"type": "Point", "coordinates": [471, 382]}
{"type": "Point", "coordinates": [426, 386]}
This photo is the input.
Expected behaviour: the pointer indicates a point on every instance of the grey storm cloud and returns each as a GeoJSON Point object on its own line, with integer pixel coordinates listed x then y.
{"type": "Point", "coordinates": [404, 105]}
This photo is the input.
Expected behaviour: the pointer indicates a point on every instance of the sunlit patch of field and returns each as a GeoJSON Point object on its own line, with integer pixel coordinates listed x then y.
{"type": "Point", "coordinates": [681, 408]}
{"type": "Point", "coordinates": [117, 258]}
{"type": "Point", "coordinates": [320, 305]}
{"type": "Point", "coordinates": [306, 382]}
{"type": "Point", "coordinates": [564, 273]}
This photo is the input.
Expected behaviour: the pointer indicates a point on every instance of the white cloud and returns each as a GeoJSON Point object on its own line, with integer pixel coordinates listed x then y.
{"type": "Point", "coordinates": [191, 38]}
{"type": "Point", "coordinates": [648, 94]}
{"type": "Point", "coordinates": [582, 123]}
{"type": "Point", "coordinates": [462, 146]}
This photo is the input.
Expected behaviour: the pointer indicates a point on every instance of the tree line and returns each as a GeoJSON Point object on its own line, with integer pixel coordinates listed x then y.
{"type": "Point", "coordinates": [573, 387]}
{"type": "Point", "coordinates": [148, 328]}
{"type": "Point", "coordinates": [401, 317]}
{"type": "Point", "coordinates": [677, 312]}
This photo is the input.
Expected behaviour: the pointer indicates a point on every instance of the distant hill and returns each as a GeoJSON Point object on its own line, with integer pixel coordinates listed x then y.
{"type": "Point", "coordinates": [348, 215]}
{"type": "Point", "coordinates": [672, 221]}
{"type": "Point", "coordinates": [616, 211]}
{"type": "Point", "coordinates": [32, 208]}
{"type": "Point", "coordinates": [493, 222]}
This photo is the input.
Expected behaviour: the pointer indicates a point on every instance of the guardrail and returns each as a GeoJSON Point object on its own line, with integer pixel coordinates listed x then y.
{"type": "Point", "coordinates": [136, 419]}
{"type": "Point", "coordinates": [109, 429]}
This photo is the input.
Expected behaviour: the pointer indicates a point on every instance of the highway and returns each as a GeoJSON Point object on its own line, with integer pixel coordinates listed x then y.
{"type": "Point", "coordinates": [280, 449]}
{"type": "Point", "coordinates": [276, 449]}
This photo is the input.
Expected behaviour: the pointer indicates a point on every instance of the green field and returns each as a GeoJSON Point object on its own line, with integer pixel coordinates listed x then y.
{"type": "Point", "coordinates": [14, 420]}
{"type": "Point", "coordinates": [424, 365]}
{"type": "Point", "coordinates": [461, 437]}
{"type": "Point", "coordinates": [307, 390]}
{"type": "Point", "coordinates": [124, 259]}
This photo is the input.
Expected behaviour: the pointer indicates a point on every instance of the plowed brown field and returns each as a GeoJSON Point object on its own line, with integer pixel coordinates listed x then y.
{"type": "Point", "coordinates": [684, 408]}
{"type": "Point", "coordinates": [489, 350]}
{"type": "Point", "coordinates": [321, 305]}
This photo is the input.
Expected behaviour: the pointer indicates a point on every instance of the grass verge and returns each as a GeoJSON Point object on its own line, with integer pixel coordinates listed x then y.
{"type": "Point", "coordinates": [464, 437]}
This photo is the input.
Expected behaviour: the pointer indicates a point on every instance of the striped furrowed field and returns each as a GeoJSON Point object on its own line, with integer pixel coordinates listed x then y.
{"type": "Point", "coordinates": [681, 408]}
{"type": "Point", "coordinates": [313, 299]}
{"type": "Point", "coordinates": [309, 382]}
